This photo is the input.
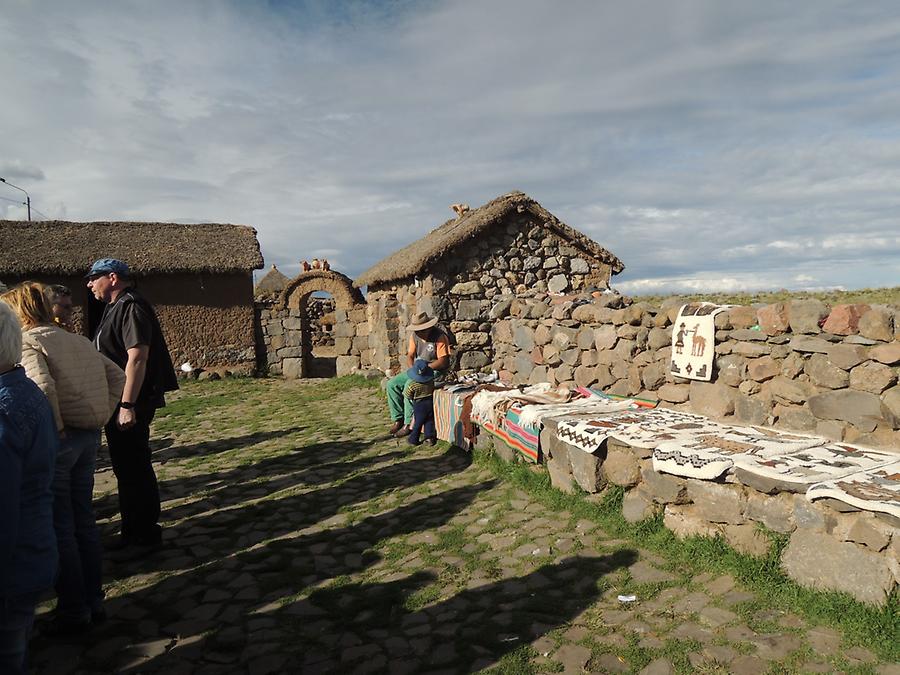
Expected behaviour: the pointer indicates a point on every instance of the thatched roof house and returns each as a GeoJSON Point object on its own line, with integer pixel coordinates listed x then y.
{"type": "Point", "coordinates": [413, 259]}
{"type": "Point", "coordinates": [67, 248]}
{"type": "Point", "coordinates": [198, 276]}
{"type": "Point", "coordinates": [470, 264]}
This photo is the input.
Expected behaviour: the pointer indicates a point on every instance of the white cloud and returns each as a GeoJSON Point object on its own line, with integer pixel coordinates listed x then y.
{"type": "Point", "coordinates": [702, 142]}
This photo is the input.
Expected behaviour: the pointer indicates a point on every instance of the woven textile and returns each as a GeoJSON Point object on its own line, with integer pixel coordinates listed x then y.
{"type": "Point", "coordinates": [661, 424]}
{"type": "Point", "coordinates": [589, 435]}
{"type": "Point", "coordinates": [715, 451]}
{"type": "Point", "coordinates": [795, 471]}
{"type": "Point", "coordinates": [448, 423]}
{"type": "Point", "coordinates": [532, 415]}
{"type": "Point", "coordinates": [694, 341]}
{"type": "Point", "coordinates": [871, 490]}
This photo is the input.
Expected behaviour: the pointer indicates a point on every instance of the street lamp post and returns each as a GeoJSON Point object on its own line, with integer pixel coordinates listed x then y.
{"type": "Point", "coordinates": [27, 196]}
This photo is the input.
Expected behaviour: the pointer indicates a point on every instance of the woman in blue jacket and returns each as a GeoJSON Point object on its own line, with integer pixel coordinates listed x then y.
{"type": "Point", "coordinates": [28, 446]}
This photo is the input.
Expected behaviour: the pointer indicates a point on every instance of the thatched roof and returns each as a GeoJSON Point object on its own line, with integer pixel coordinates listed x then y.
{"type": "Point", "coordinates": [412, 259]}
{"type": "Point", "coordinates": [271, 285]}
{"type": "Point", "coordinates": [66, 248]}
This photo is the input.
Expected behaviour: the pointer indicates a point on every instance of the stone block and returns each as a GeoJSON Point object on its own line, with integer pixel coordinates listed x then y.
{"type": "Point", "coordinates": [571, 357]}
{"type": "Point", "coordinates": [844, 319]}
{"type": "Point", "coordinates": [820, 561]}
{"type": "Point", "coordinates": [653, 375]}
{"type": "Point", "coordinates": [637, 506]}
{"type": "Point", "coordinates": [741, 317]}
{"type": "Point", "coordinates": [665, 489]}
{"type": "Point", "coordinates": [872, 377]}
{"type": "Point", "coordinates": [823, 373]}
{"type": "Point", "coordinates": [812, 516]}
{"type": "Point", "coordinates": [474, 360]}
{"type": "Point", "coordinates": [469, 310]}
{"type": "Point", "coordinates": [539, 374]}
{"type": "Point", "coordinates": [711, 399]}
{"type": "Point", "coordinates": [751, 410]}
{"type": "Point", "coordinates": [292, 368]}
{"type": "Point", "coordinates": [502, 449]}
{"type": "Point", "coordinates": [558, 283]}
{"type": "Point", "coordinates": [621, 467]}
{"type": "Point", "coordinates": [584, 376]}
{"type": "Point", "coordinates": [888, 354]}
{"type": "Point", "coordinates": [718, 503]}
{"type": "Point", "coordinates": [775, 512]}
{"type": "Point", "coordinates": [773, 319]}
{"type": "Point", "coordinates": [861, 409]}
{"type": "Point", "coordinates": [872, 533]}
{"type": "Point", "coordinates": [674, 393]}
{"type": "Point", "coordinates": [891, 405]}
{"type": "Point", "coordinates": [501, 332]}
{"type": "Point", "coordinates": [684, 521]}
{"type": "Point", "coordinates": [763, 368]}
{"type": "Point", "coordinates": [790, 391]}
{"type": "Point", "coordinates": [806, 344]}
{"type": "Point", "coordinates": [470, 340]}
{"type": "Point", "coordinates": [560, 477]}
{"type": "Point", "coordinates": [749, 349]}
{"type": "Point", "coordinates": [804, 315]}
{"type": "Point", "coordinates": [346, 365]}
{"type": "Point", "coordinates": [467, 288]}
{"type": "Point", "coordinates": [605, 337]}
{"type": "Point", "coordinates": [795, 418]}
{"type": "Point", "coordinates": [747, 539]}
{"type": "Point", "coordinates": [523, 336]}
{"type": "Point", "coordinates": [877, 324]}
{"type": "Point", "coordinates": [658, 338]}
{"type": "Point", "coordinates": [587, 470]}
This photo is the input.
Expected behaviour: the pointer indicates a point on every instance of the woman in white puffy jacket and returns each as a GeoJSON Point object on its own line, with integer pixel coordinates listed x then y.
{"type": "Point", "coordinates": [83, 387]}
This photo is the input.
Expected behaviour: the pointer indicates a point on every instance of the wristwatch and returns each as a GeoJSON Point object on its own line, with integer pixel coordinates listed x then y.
{"type": "Point", "coordinates": [125, 405]}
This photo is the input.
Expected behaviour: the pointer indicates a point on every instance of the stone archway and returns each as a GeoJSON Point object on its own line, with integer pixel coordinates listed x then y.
{"type": "Point", "coordinates": [295, 301]}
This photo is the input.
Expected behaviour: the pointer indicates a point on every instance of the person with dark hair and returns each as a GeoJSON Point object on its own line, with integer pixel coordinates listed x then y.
{"type": "Point", "coordinates": [420, 391]}
{"type": "Point", "coordinates": [28, 446]}
{"type": "Point", "coordinates": [130, 335]}
{"type": "Point", "coordinates": [83, 388]}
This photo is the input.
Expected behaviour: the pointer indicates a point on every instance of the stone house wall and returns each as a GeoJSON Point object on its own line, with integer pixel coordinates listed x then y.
{"type": "Point", "coordinates": [799, 365]}
{"type": "Point", "coordinates": [461, 286]}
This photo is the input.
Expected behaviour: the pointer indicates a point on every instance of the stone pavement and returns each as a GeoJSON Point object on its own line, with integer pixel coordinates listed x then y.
{"type": "Point", "coordinates": [317, 544]}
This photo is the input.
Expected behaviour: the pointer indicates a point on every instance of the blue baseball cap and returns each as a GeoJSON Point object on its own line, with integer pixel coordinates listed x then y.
{"type": "Point", "coordinates": [107, 265]}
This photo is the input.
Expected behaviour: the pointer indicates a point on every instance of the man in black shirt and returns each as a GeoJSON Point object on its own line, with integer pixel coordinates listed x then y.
{"type": "Point", "coordinates": [130, 335]}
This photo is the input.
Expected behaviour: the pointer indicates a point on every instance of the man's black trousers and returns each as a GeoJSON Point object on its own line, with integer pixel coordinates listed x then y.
{"type": "Point", "coordinates": [129, 451]}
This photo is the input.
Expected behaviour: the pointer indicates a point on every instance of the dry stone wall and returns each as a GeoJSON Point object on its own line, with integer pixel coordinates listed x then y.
{"type": "Point", "coordinates": [464, 286]}
{"type": "Point", "coordinates": [798, 365]}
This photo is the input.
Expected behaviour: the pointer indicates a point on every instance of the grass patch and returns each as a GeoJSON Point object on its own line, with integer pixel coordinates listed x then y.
{"type": "Point", "coordinates": [877, 629]}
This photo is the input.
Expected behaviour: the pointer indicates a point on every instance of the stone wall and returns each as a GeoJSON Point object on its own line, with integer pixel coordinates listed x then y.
{"type": "Point", "coordinates": [831, 546]}
{"type": "Point", "coordinates": [461, 287]}
{"type": "Point", "coordinates": [799, 365]}
{"type": "Point", "coordinates": [321, 320]}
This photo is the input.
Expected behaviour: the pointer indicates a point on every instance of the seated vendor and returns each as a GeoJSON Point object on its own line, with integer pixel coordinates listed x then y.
{"type": "Point", "coordinates": [429, 342]}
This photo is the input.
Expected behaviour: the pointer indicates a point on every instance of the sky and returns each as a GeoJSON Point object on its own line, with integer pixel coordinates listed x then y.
{"type": "Point", "coordinates": [711, 145]}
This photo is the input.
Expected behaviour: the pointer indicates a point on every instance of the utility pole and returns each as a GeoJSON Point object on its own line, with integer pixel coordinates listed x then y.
{"type": "Point", "coordinates": [27, 196]}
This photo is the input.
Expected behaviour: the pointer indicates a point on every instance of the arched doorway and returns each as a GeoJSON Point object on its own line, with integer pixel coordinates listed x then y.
{"type": "Point", "coordinates": [319, 301]}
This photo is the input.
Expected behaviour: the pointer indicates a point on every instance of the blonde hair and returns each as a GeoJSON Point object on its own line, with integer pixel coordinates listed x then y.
{"type": "Point", "coordinates": [10, 336]}
{"type": "Point", "coordinates": [29, 301]}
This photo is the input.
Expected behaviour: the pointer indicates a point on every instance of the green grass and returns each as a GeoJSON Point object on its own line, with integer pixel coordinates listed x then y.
{"type": "Point", "coordinates": [877, 629]}
{"type": "Point", "coordinates": [871, 296]}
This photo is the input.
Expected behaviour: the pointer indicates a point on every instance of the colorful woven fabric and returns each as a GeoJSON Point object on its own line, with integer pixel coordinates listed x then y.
{"type": "Point", "coordinates": [448, 417]}
{"type": "Point", "coordinates": [872, 490]}
{"type": "Point", "coordinates": [524, 438]}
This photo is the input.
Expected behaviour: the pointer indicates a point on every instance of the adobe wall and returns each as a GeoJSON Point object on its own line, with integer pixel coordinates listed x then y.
{"type": "Point", "coordinates": [207, 320]}
{"type": "Point", "coordinates": [461, 286]}
{"type": "Point", "coordinates": [774, 365]}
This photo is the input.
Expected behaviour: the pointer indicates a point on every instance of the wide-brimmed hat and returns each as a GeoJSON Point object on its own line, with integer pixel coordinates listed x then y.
{"type": "Point", "coordinates": [420, 371]}
{"type": "Point", "coordinates": [421, 321]}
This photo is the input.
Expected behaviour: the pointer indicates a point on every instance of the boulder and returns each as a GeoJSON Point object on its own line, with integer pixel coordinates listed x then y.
{"type": "Point", "coordinates": [804, 343]}
{"type": "Point", "coordinates": [867, 530]}
{"type": "Point", "coordinates": [741, 317]}
{"type": "Point", "coordinates": [751, 410]}
{"type": "Point", "coordinates": [558, 283]}
{"type": "Point", "coordinates": [654, 375]}
{"type": "Point", "coordinates": [872, 377]}
{"type": "Point", "coordinates": [861, 409]}
{"type": "Point", "coordinates": [805, 315]}
{"type": "Point", "coordinates": [500, 308]}
{"type": "Point", "coordinates": [605, 337]}
{"type": "Point", "coordinates": [523, 337]}
{"type": "Point", "coordinates": [674, 393]}
{"type": "Point", "coordinates": [711, 399]}
{"type": "Point", "coordinates": [621, 467]}
{"type": "Point", "coordinates": [773, 319]}
{"type": "Point", "coordinates": [845, 356]}
{"type": "Point", "coordinates": [888, 354]}
{"type": "Point", "coordinates": [747, 539]}
{"type": "Point", "coordinates": [663, 488]}
{"type": "Point", "coordinates": [587, 470]}
{"type": "Point", "coordinates": [584, 376]}
{"type": "Point", "coordinates": [877, 324]}
{"type": "Point", "coordinates": [795, 417]}
{"type": "Point", "coordinates": [775, 512]}
{"type": "Point", "coordinates": [467, 288]}
{"type": "Point", "coordinates": [473, 360]}
{"type": "Point", "coordinates": [790, 391]}
{"type": "Point", "coordinates": [750, 349]}
{"type": "Point", "coordinates": [718, 503]}
{"type": "Point", "coordinates": [891, 404]}
{"type": "Point", "coordinates": [822, 562]}
{"type": "Point", "coordinates": [346, 365]}
{"type": "Point", "coordinates": [683, 521]}
{"type": "Point", "coordinates": [823, 374]}
{"type": "Point", "coordinates": [732, 369]}
{"type": "Point", "coordinates": [659, 337]}
{"type": "Point", "coordinates": [560, 478]}
{"type": "Point", "coordinates": [763, 368]}
{"type": "Point", "coordinates": [844, 319]}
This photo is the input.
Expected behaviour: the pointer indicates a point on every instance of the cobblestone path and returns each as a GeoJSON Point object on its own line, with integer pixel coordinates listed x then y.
{"type": "Point", "coordinates": [300, 538]}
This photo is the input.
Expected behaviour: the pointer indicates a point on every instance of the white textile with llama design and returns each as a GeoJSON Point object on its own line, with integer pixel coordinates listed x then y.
{"type": "Point", "coordinates": [694, 340]}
